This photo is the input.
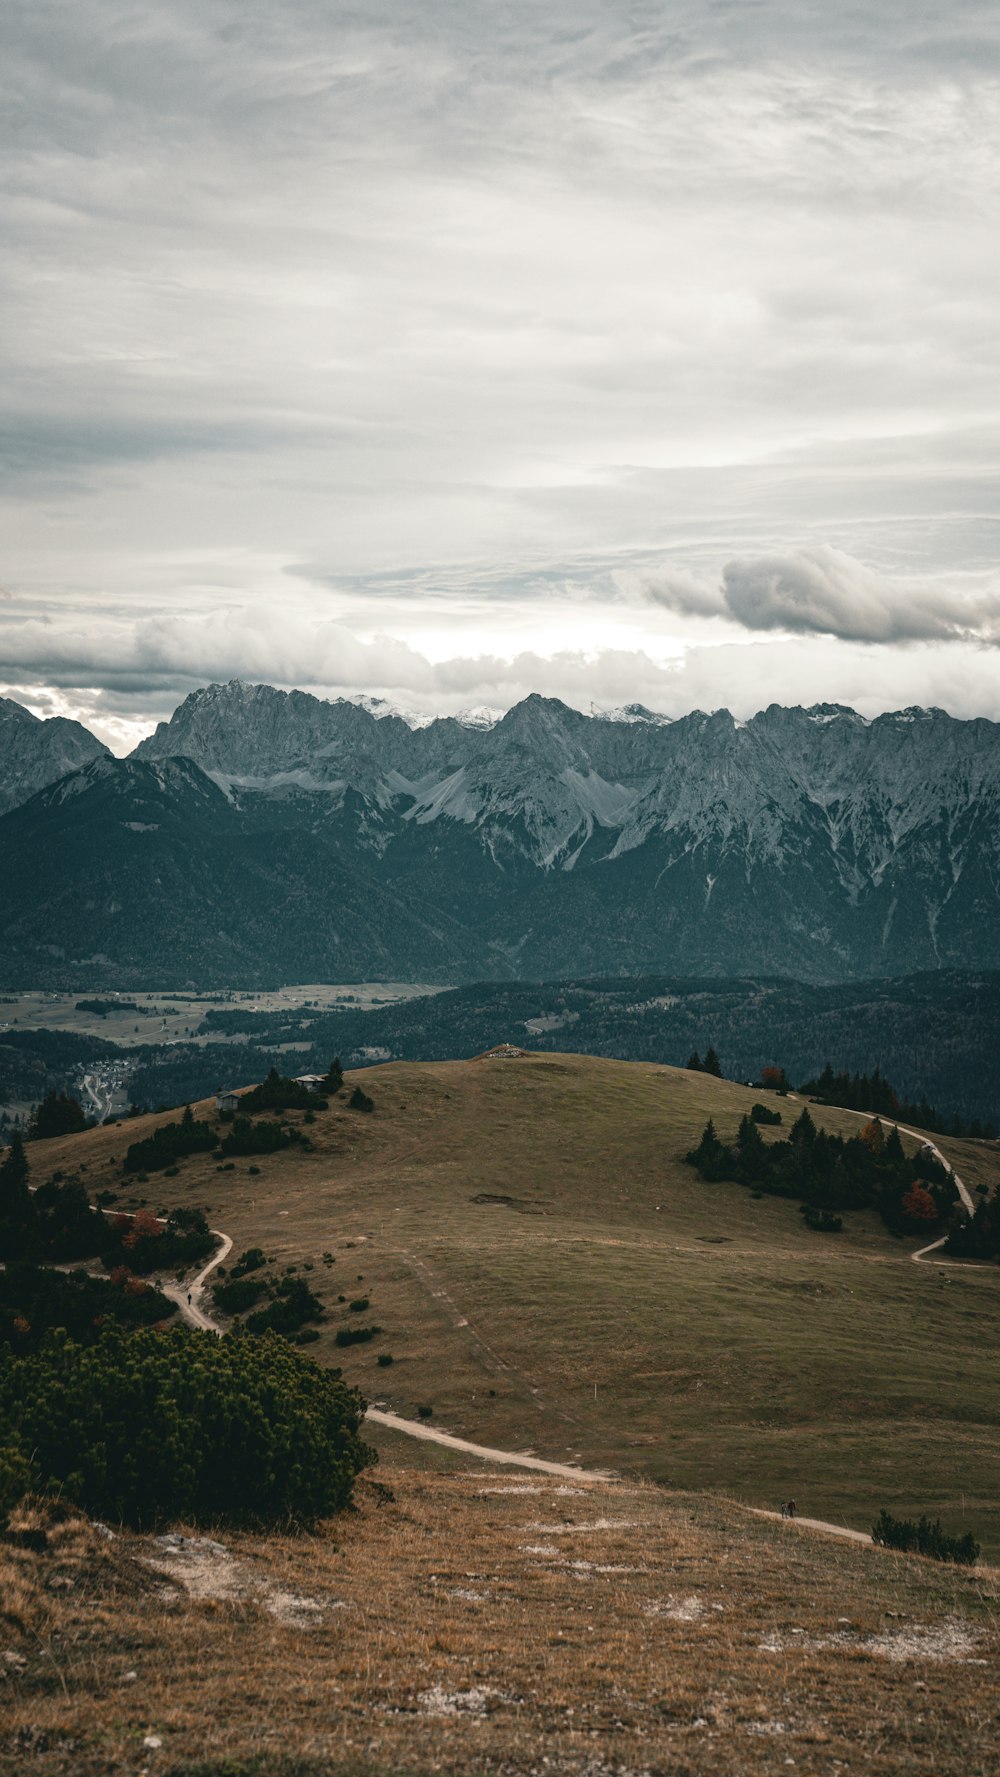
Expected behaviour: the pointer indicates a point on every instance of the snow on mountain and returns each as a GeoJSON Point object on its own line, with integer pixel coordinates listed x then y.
{"type": "Point", "coordinates": [805, 842]}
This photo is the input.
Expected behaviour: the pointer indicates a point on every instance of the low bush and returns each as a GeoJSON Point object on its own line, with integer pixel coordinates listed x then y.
{"type": "Point", "coordinates": [924, 1538]}
{"type": "Point", "coordinates": [241, 1293]}
{"type": "Point", "coordinates": [292, 1305]}
{"type": "Point", "coordinates": [384, 1359]}
{"type": "Point", "coordinates": [155, 1427]}
{"type": "Point", "coordinates": [257, 1138]}
{"type": "Point", "coordinates": [762, 1113]}
{"type": "Point", "coordinates": [355, 1335]}
{"type": "Point", "coordinates": [360, 1101]}
{"type": "Point", "coordinates": [358, 1306]}
{"type": "Point", "coordinates": [250, 1260]}
{"type": "Point", "coordinates": [823, 1221]}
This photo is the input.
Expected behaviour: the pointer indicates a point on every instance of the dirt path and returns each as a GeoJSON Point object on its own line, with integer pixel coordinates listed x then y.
{"type": "Point", "coordinates": [187, 1298]}
{"type": "Point", "coordinates": [510, 1458]}
{"type": "Point", "coordinates": [854, 1536]}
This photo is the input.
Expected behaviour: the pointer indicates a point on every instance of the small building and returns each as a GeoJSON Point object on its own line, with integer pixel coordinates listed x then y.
{"type": "Point", "coordinates": [312, 1081]}
{"type": "Point", "coordinates": [226, 1102]}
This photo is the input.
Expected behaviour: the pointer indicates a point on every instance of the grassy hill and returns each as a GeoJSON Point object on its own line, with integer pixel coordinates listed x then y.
{"type": "Point", "coordinates": [493, 1623]}
{"type": "Point", "coordinates": [549, 1275]}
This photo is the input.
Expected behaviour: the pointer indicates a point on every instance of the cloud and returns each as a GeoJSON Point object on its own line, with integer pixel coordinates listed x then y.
{"type": "Point", "coordinates": [468, 306]}
{"type": "Point", "coordinates": [825, 592]}
{"type": "Point", "coordinates": [119, 678]}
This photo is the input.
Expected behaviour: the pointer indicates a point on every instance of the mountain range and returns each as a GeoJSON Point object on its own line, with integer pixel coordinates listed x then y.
{"type": "Point", "coordinates": [262, 834]}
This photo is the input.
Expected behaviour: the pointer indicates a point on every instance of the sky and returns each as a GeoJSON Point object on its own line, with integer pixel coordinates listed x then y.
{"type": "Point", "coordinates": [448, 352]}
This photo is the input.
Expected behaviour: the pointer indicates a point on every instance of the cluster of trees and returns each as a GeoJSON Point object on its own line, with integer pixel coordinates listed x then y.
{"type": "Point", "coordinates": [279, 1093]}
{"type": "Point", "coordinates": [57, 1114]}
{"type": "Point", "coordinates": [873, 1092]}
{"type": "Point", "coordinates": [59, 1224]}
{"type": "Point", "coordinates": [710, 1064]}
{"type": "Point", "coordinates": [924, 1538]}
{"type": "Point", "coordinates": [35, 1299]}
{"type": "Point", "coordinates": [170, 1143]}
{"type": "Point", "coordinates": [976, 1236]}
{"type": "Point", "coordinates": [56, 1222]}
{"type": "Point", "coordinates": [159, 1426]}
{"type": "Point", "coordinates": [827, 1173]}
{"type": "Point", "coordinates": [291, 1303]}
{"type": "Point", "coordinates": [263, 1137]}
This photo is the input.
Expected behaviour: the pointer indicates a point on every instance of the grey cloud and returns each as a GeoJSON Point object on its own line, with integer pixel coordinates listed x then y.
{"type": "Point", "coordinates": [494, 305]}
{"type": "Point", "coordinates": [825, 592]}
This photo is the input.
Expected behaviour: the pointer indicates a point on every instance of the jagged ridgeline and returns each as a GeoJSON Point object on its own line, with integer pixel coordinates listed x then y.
{"type": "Point", "coordinates": [267, 829]}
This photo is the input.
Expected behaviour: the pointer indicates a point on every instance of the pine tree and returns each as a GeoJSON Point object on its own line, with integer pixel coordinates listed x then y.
{"type": "Point", "coordinates": [17, 1208]}
{"type": "Point", "coordinates": [710, 1065]}
{"type": "Point", "coordinates": [693, 1063]}
{"type": "Point", "coordinates": [803, 1129]}
{"type": "Point", "coordinates": [333, 1079]}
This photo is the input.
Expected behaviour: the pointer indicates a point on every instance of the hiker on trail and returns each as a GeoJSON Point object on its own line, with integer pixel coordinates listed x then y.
{"type": "Point", "coordinates": [790, 1508]}
{"type": "Point", "coordinates": [189, 1298]}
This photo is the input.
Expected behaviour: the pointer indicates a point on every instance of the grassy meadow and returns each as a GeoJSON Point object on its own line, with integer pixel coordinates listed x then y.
{"type": "Point", "coordinates": [550, 1276]}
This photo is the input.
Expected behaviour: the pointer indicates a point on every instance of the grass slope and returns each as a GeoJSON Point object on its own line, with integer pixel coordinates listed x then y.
{"type": "Point", "coordinates": [494, 1623]}
{"type": "Point", "coordinates": [551, 1276]}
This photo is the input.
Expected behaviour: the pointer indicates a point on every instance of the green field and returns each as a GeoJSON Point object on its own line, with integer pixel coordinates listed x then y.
{"type": "Point", "coordinates": [551, 1276]}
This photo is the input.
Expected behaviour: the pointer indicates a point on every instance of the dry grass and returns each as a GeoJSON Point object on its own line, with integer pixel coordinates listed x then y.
{"type": "Point", "coordinates": [489, 1623]}
{"type": "Point", "coordinates": [615, 1309]}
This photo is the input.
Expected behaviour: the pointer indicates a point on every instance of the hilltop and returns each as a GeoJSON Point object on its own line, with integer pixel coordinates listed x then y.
{"type": "Point", "coordinates": [548, 1274]}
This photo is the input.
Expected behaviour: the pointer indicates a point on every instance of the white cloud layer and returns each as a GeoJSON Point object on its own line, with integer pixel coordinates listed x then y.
{"type": "Point", "coordinates": [404, 347]}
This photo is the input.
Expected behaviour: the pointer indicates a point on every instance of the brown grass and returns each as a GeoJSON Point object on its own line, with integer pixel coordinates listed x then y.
{"type": "Point", "coordinates": [492, 1622]}
{"type": "Point", "coordinates": [615, 1308]}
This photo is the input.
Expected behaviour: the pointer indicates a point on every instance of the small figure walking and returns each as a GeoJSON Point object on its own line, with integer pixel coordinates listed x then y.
{"type": "Point", "coordinates": [790, 1509]}
{"type": "Point", "coordinates": [189, 1298]}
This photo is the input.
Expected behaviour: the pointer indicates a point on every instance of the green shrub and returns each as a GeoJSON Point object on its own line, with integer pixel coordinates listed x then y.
{"type": "Point", "coordinates": [156, 1427]}
{"type": "Point", "coordinates": [384, 1359]}
{"type": "Point", "coordinates": [425, 1412]}
{"type": "Point", "coordinates": [257, 1138]}
{"type": "Point", "coordinates": [360, 1101]}
{"type": "Point", "coordinates": [762, 1113]}
{"type": "Point", "coordinates": [34, 1299]}
{"type": "Point", "coordinates": [355, 1335]}
{"type": "Point", "coordinates": [169, 1143]}
{"type": "Point", "coordinates": [924, 1538]}
{"type": "Point", "coordinates": [236, 1296]}
{"type": "Point", "coordinates": [358, 1306]}
{"type": "Point", "coordinates": [293, 1304]}
{"type": "Point", "coordinates": [250, 1260]}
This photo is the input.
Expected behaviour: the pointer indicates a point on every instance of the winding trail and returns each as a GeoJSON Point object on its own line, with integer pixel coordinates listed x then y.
{"type": "Point", "coordinates": [189, 1303]}
{"type": "Point", "coordinates": [188, 1299]}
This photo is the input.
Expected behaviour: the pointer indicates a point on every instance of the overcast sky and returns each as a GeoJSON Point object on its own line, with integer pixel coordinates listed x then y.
{"type": "Point", "coordinates": [449, 351]}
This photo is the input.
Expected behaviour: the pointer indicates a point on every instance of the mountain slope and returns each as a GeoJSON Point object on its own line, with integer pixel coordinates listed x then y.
{"type": "Point", "coordinates": [808, 842]}
{"type": "Point", "coordinates": [128, 871]}
{"type": "Point", "coordinates": [34, 753]}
